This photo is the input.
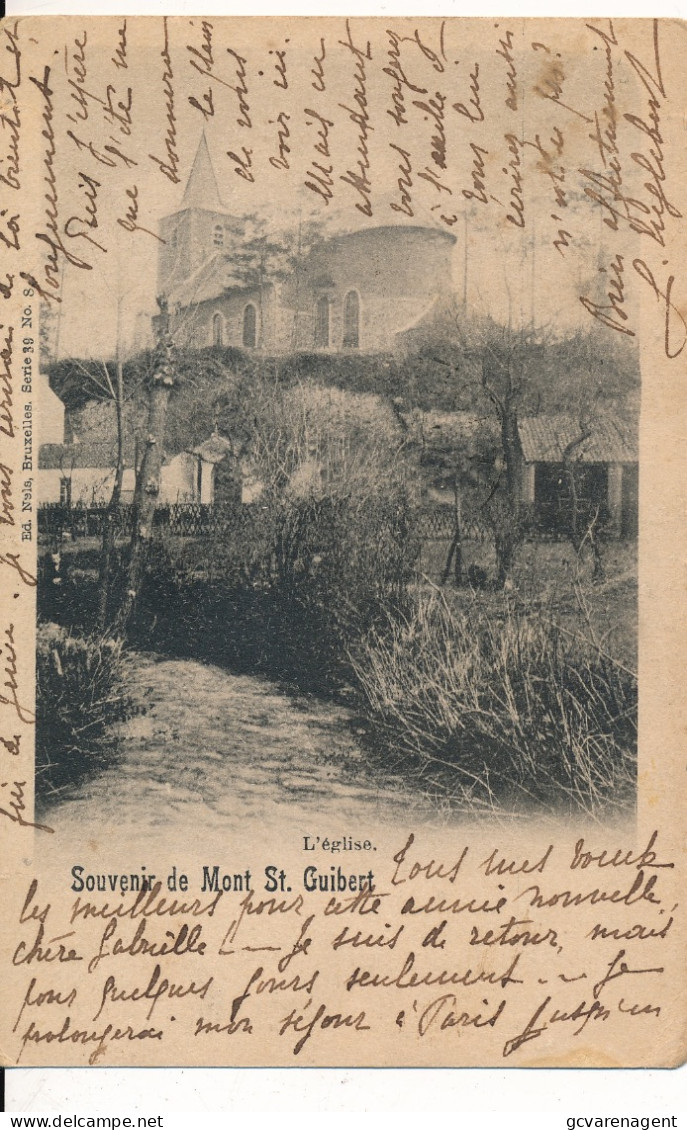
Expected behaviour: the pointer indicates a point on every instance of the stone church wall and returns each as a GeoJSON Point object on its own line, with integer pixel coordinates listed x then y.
{"type": "Point", "coordinates": [392, 276]}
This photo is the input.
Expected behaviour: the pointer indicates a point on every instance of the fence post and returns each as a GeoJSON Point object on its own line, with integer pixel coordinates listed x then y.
{"type": "Point", "coordinates": [458, 559]}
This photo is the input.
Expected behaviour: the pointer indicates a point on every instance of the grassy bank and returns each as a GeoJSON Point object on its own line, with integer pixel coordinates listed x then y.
{"type": "Point", "coordinates": [80, 696]}
{"type": "Point", "coordinates": [495, 708]}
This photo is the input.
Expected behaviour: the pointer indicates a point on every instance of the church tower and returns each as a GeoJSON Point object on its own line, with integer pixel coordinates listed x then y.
{"type": "Point", "coordinates": [201, 228]}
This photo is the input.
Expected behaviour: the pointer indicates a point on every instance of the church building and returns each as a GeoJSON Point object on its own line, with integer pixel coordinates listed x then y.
{"type": "Point", "coordinates": [355, 292]}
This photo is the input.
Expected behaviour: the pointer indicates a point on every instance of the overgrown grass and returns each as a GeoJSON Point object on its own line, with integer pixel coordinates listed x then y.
{"type": "Point", "coordinates": [498, 710]}
{"type": "Point", "coordinates": [80, 695]}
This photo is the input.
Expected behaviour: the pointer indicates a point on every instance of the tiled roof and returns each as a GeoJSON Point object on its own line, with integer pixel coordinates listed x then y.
{"type": "Point", "coordinates": [95, 456]}
{"type": "Point", "coordinates": [69, 456]}
{"type": "Point", "coordinates": [552, 439]}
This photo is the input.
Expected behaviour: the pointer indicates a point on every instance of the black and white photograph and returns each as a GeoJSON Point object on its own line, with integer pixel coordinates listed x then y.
{"type": "Point", "coordinates": [336, 535]}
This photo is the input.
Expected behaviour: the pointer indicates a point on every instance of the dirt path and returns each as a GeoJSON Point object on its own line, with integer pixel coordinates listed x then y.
{"type": "Point", "coordinates": [220, 751]}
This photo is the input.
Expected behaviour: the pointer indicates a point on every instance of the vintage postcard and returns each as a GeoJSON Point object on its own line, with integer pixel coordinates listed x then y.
{"type": "Point", "coordinates": [342, 507]}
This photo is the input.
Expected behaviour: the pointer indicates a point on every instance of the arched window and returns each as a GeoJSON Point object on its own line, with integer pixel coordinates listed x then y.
{"type": "Point", "coordinates": [218, 235]}
{"type": "Point", "coordinates": [351, 321]}
{"type": "Point", "coordinates": [322, 323]}
{"type": "Point", "coordinates": [250, 326]}
{"type": "Point", "coordinates": [218, 330]}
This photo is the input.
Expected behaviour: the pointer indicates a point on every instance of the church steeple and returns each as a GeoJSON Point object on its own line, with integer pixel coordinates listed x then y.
{"type": "Point", "coordinates": [201, 188]}
{"type": "Point", "coordinates": [199, 230]}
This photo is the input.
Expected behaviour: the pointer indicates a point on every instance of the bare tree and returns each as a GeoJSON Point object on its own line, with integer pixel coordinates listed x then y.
{"type": "Point", "coordinates": [116, 391]}
{"type": "Point", "coordinates": [585, 515]}
{"type": "Point", "coordinates": [109, 387]}
{"type": "Point", "coordinates": [147, 488]}
{"type": "Point", "coordinates": [503, 368]}
{"type": "Point", "coordinates": [488, 366]}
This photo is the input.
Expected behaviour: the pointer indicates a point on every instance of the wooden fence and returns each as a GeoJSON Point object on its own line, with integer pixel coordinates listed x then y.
{"type": "Point", "coordinates": [191, 520]}
{"type": "Point", "coordinates": [434, 528]}
{"type": "Point", "coordinates": [441, 554]}
{"type": "Point", "coordinates": [183, 519]}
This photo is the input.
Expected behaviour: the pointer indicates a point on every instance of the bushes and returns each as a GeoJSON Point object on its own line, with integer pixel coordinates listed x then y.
{"type": "Point", "coordinates": [80, 694]}
{"type": "Point", "coordinates": [345, 557]}
{"type": "Point", "coordinates": [343, 565]}
{"type": "Point", "coordinates": [499, 710]}
{"type": "Point", "coordinates": [286, 587]}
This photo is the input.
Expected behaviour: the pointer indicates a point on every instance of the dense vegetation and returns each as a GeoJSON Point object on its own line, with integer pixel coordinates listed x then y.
{"type": "Point", "coordinates": [441, 373]}
{"type": "Point", "coordinates": [489, 699]}
{"type": "Point", "coordinates": [80, 696]}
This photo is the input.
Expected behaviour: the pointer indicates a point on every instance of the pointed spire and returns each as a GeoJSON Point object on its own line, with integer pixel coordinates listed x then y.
{"type": "Point", "coordinates": [201, 188]}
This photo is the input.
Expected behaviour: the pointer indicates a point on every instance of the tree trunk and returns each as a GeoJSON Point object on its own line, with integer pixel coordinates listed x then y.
{"type": "Point", "coordinates": [582, 527]}
{"type": "Point", "coordinates": [506, 544]}
{"type": "Point", "coordinates": [510, 442]}
{"type": "Point", "coordinates": [502, 386]}
{"type": "Point", "coordinates": [110, 516]}
{"type": "Point", "coordinates": [508, 531]}
{"type": "Point", "coordinates": [148, 474]}
{"type": "Point", "coordinates": [455, 553]}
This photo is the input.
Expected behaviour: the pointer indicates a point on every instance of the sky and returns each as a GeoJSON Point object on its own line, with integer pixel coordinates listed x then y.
{"type": "Point", "coordinates": [517, 276]}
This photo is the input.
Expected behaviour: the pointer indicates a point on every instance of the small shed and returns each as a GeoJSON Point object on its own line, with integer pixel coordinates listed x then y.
{"type": "Point", "coordinates": [217, 478]}
{"type": "Point", "coordinates": [82, 474]}
{"type": "Point", "coordinates": [591, 466]}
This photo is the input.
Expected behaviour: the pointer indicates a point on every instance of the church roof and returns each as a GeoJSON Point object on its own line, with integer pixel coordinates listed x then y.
{"type": "Point", "coordinates": [209, 280]}
{"type": "Point", "coordinates": [201, 187]}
